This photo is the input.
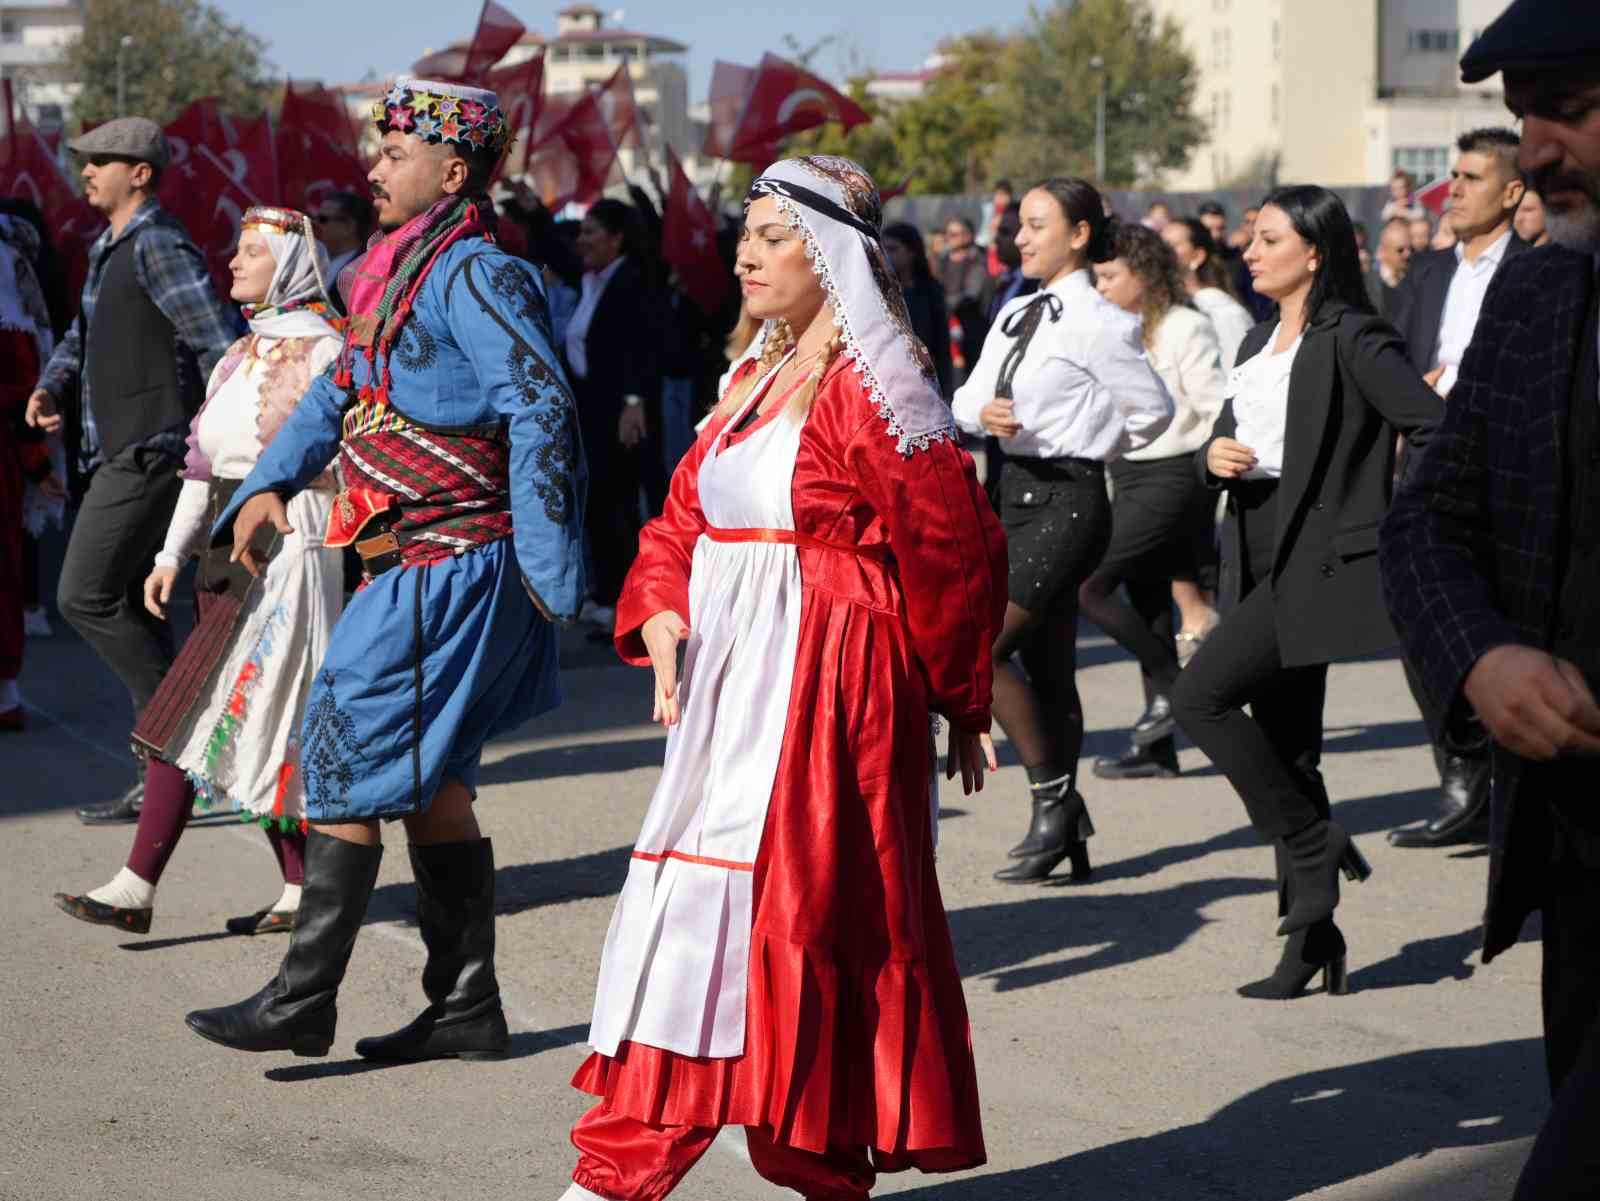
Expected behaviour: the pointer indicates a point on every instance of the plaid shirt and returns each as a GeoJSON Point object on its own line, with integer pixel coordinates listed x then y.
{"type": "Point", "coordinates": [173, 273]}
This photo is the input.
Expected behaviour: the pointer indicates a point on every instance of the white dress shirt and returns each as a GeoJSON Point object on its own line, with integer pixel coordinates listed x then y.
{"type": "Point", "coordinates": [1186, 357]}
{"type": "Point", "coordinates": [1231, 320]}
{"type": "Point", "coordinates": [1462, 304]}
{"type": "Point", "coordinates": [1084, 389]}
{"type": "Point", "coordinates": [1259, 389]}
{"type": "Point", "coordinates": [594, 287]}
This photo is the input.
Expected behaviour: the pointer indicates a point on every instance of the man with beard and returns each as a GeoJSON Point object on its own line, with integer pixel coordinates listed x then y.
{"type": "Point", "coordinates": [463, 494]}
{"type": "Point", "coordinates": [1491, 564]}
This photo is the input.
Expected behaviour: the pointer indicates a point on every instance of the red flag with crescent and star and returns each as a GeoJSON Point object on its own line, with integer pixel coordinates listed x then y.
{"type": "Point", "coordinates": [29, 171]}
{"type": "Point", "coordinates": [689, 242]}
{"type": "Point", "coordinates": [787, 99]}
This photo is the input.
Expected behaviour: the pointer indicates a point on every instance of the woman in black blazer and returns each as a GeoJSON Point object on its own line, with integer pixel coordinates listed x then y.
{"type": "Point", "coordinates": [1305, 448]}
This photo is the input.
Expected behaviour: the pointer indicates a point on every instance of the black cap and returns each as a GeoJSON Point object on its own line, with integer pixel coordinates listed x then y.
{"type": "Point", "coordinates": [1212, 209]}
{"type": "Point", "coordinates": [1536, 35]}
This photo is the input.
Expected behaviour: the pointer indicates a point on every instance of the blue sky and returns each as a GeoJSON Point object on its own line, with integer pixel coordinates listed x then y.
{"type": "Point", "coordinates": [339, 40]}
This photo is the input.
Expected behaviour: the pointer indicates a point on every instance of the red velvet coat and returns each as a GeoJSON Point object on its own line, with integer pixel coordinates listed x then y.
{"type": "Point", "coordinates": [856, 1029]}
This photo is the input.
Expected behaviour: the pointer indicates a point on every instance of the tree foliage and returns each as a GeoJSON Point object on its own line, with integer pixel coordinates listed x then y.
{"type": "Point", "coordinates": [181, 50]}
{"type": "Point", "coordinates": [1047, 93]}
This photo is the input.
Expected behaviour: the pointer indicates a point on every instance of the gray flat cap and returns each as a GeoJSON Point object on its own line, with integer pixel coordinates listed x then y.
{"type": "Point", "coordinates": [131, 137]}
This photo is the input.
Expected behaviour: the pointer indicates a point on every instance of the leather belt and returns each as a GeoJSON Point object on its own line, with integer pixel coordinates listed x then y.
{"type": "Point", "coordinates": [380, 552]}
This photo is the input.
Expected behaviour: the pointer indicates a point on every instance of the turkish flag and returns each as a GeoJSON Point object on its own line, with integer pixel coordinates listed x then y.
{"type": "Point", "coordinates": [689, 242]}
{"type": "Point", "coordinates": [30, 172]}
{"type": "Point", "coordinates": [218, 168]}
{"type": "Point", "coordinates": [520, 89]}
{"type": "Point", "coordinates": [731, 86]}
{"type": "Point", "coordinates": [1435, 196]}
{"type": "Point", "coordinates": [497, 31]}
{"type": "Point", "coordinates": [620, 110]}
{"type": "Point", "coordinates": [316, 149]}
{"type": "Point", "coordinates": [788, 99]}
{"type": "Point", "coordinates": [573, 162]}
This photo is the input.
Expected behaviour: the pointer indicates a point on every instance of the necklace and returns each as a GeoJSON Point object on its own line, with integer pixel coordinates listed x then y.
{"type": "Point", "coordinates": [784, 378]}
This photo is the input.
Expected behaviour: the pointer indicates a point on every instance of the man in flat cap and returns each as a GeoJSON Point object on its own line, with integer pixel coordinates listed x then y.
{"type": "Point", "coordinates": [133, 367]}
{"type": "Point", "coordinates": [1491, 563]}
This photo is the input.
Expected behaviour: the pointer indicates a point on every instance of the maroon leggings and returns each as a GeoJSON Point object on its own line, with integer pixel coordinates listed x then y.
{"type": "Point", "coordinates": [168, 801]}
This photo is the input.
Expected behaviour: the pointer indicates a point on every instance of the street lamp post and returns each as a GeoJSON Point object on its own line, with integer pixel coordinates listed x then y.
{"type": "Point", "coordinates": [122, 86]}
{"type": "Point", "coordinates": [1098, 66]}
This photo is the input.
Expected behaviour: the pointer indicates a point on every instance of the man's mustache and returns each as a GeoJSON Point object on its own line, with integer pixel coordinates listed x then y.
{"type": "Point", "coordinates": [378, 193]}
{"type": "Point", "coordinates": [1555, 178]}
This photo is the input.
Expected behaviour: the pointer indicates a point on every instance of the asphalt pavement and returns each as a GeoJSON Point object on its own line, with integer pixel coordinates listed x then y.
{"type": "Point", "coordinates": [1115, 1061]}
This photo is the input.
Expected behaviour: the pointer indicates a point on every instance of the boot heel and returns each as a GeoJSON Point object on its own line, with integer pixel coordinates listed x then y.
{"type": "Point", "coordinates": [1354, 864]}
{"type": "Point", "coordinates": [1336, 977]}
{"type": "Point", "coordinates": [311, 1048]}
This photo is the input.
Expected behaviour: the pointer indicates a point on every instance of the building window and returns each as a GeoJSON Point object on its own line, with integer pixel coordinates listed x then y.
{"type": "Point", "coordinates": [1227, 47]}
{"type": "Point", "coordinates": [1274, 104]}
{"type": "Point", "coordinates": [1274, 41]}
{"type": "Point", "coordinates": [1433, 41]}
{"type": "Point", "coordinates": [1227, 109]}
{"type": "Point", "coordinates": [594, 53]}
{"type": "Point", "coordinates": [9, 33]}
{"type": "Point", "coordinates": [1424, 163]}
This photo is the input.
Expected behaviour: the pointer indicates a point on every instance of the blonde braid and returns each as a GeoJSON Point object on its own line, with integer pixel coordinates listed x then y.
{"type": "Point", "coordinates": [800, 403]}
{"type": "Point", "coordinates": [780, 341]}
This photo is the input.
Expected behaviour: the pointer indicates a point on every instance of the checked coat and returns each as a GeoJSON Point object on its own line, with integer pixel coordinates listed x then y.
{"type": "Point", "coordinates": [1471, 550]}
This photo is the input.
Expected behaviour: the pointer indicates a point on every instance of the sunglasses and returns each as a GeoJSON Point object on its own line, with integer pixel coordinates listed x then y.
{"type": "Point", "coordinates": [105, 160]}
{"type": "Point", "coordinates": [328, 218]}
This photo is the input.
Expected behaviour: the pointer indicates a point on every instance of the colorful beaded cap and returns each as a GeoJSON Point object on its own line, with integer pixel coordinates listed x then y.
{"type": "Point", "coordinates": [275, 220]}
{"type": "Point", "coordinates": [443, 112]}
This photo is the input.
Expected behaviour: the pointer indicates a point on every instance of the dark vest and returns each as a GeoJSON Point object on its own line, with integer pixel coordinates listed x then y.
{"type": "Point", "coordinates": [142, 380]}
{"type": "Point", "coordinates": [1578, 598]}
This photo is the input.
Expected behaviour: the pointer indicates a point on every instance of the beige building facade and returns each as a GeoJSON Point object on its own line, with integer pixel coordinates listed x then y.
{"type": "Point", "coordinates": [1337, 92]}
{"type": "Point", "coordinates": [33, 36]}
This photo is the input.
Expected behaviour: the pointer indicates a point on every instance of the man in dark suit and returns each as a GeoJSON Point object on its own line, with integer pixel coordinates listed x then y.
{"type": "Point", "coordinates": [1491, 563]}
{"type": "Point", "coordinates": [1386, 280]}
{"type": "Point", "coordinates": [1437, 311]}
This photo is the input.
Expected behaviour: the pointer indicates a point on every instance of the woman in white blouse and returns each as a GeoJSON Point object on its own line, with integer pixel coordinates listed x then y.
{"type": "Point", "coordinates": [1161, 517]}
{"type": "Point", "coordinates": [1305, 448]}
{"type": "Point", "coordinates": [222, 730]}
{"type": "Point", "coordinates": [1064, 385]}
{"type": "Point", "coordinates": [1206, 281]}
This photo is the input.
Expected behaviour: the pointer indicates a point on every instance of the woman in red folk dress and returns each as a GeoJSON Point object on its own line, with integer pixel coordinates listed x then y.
{"type": "Point", "coordinates": [779, 958]}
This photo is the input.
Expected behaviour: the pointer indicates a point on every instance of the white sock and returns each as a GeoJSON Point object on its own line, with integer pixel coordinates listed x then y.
{"type": "Point", "coordinates": [289, 902]}
{"type": "Point", "coordinates": [10, 697]}
{"type": "Point", "coordinates": [127, 890]}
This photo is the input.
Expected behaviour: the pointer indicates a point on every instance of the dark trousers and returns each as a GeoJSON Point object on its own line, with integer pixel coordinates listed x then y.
{"type": "Point", "coordinates": [612, 515]}
{"type": "Point", "coordinates": [1271, 755]}
{"type": "Point", "coordinates": [1434, 720]}
{"type": "Point", "coordinates": [1564, 1164]}
{"type": "Point", "coordinates": [12, 585]}
{"type": "Point", "coordinates": [119, 528]}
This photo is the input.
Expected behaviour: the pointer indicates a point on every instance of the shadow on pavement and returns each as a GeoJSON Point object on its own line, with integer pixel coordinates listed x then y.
{"type": "Point", "coordinates": [584, 758]}
{"type": "Point", "coordinates": [1122, 928]}
{"type": "Point", "coordinates": [523, 1045]}
{"type": "Point", "coordinates": [1310, 1132]}
{"type": "Point", "coordinates": [522, 886]}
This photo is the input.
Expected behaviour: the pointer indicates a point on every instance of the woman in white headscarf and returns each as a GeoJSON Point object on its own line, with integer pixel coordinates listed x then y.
{"type": "Point", "coordinates": [222, 729]}
{"type": "Point", "coordinates": [780, 958]}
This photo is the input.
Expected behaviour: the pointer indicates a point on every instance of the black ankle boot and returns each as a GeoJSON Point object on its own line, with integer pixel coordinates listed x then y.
{"type": "Point", "coordinates": [1320, 947]}
{"type": "Point", "coordinates": [1061, 828]}
{"type": "Point", "coordinates": [455, 915]}
{"type": "Point", "coordinates": [296, 1011]}
{"type": "Point", "coordinates": [1158, 760]}
{"type": "Point", "coordinates": [1316, 855]}
{"type": "Point", "coordinates": [1156, 724]}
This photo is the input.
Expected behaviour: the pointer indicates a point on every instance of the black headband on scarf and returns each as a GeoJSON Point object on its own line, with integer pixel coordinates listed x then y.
{"type": "Point", "coordinates": [814, 200]}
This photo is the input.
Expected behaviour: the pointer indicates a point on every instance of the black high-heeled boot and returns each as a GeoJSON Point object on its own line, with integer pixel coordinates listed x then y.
{"type": "Point", "coordinates": [1316, 855]}
{"type": "Point", "coordinates": [455, 916]}
{"type": "Point", "coordinates": [1061, 819]}
{"type": "Point", "coordinates": [1319, 947]}
{"type": "Point", "coordinates": [1044, 827]}
{"type": "Point", "coordinates": [296, 1011]}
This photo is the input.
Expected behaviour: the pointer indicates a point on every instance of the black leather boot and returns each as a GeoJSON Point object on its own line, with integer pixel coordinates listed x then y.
{"type": "Point", "coordinates": [1159, 759]}
{"type": "Point", "coordinates": [1316, 855]}
{"type": "Point", "coordinates": [455, 915]}
{"type": "Point", "coordinates": [296, 1010]}
{"type": "Point", "coordinates": [1061, 829]}
{"type": "Point", "coordinates": [1464, 793]}
{"type": "Point", "coordinates": [1320, 947]}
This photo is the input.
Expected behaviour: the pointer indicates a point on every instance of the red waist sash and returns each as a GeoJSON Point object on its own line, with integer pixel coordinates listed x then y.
{"type": "Point", "coordinates": [877, 551]}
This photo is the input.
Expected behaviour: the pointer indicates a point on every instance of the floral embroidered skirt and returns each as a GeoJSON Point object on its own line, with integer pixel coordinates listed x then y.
{"type": "Point", "coordinates": [239, 744]}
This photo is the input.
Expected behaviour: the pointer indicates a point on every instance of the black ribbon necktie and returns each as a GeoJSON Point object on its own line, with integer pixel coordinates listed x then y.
{"type": "Point", "coordinates": [1021, 326]}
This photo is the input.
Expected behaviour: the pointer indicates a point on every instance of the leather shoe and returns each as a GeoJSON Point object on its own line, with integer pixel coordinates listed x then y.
{"type": "Point", "coordinates": [121, 811]}
{"type": "Point", "coordinates": [1467, 823]}
{"type": "Point", "coordinates": [262, 921]}
{"type": "Point", "coordinates": [1158, 760]}
{"type": "Point", "coordinates": [96, 913]}
{"type": "Point", "coordinates": [1156, 724]}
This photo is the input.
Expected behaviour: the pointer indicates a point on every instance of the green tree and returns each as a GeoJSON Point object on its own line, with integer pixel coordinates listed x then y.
{"type": "Point", "coordinates": [181, 50]}
{"type": "Point", "coordinates": [1047, 92]}
{"type": "Point", "coordinates": [944, 138]}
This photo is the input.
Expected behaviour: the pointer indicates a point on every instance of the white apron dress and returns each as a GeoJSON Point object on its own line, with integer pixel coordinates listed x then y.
{"type": "Point", "coordinates": [673, 973]}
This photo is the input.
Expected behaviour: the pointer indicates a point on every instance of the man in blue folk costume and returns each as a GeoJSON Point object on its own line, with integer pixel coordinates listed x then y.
{"type": "Point", "coordinates": [463, 483]}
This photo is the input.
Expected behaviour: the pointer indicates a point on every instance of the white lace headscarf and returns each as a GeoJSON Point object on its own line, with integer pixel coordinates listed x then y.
{"type": "Point", "coordinates": [835, 206]}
